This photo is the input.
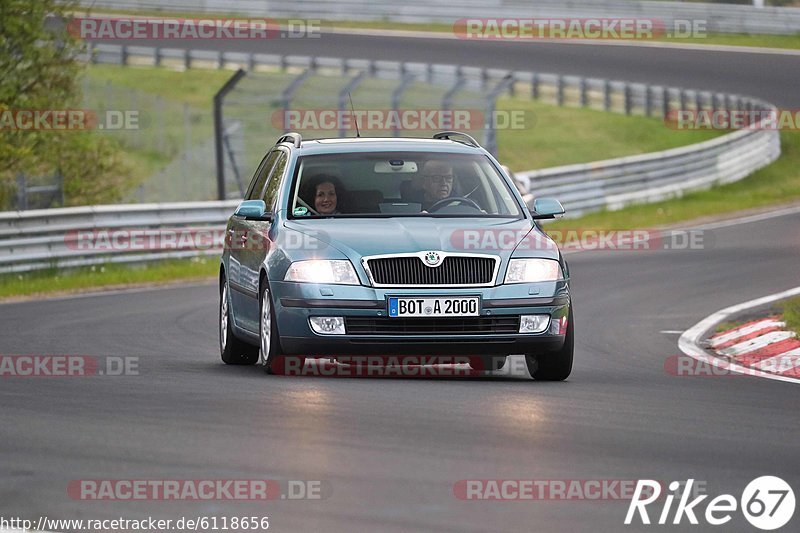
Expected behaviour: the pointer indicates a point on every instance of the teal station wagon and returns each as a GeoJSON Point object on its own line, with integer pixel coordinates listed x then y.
{"type": "Point", "coordinates": [392, 246]}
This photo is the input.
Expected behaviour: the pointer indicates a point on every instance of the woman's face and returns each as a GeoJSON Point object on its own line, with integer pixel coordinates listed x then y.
{"type": "Point", "coordinates": [325, 199]}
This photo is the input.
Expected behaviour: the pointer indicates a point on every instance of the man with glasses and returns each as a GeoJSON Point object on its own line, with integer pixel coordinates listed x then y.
{"type": "Point", "coordinates": [437, 182]}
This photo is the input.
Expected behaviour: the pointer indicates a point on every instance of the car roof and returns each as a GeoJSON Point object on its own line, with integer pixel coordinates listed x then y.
{"type": "Point", "coordinates": [384, 144]}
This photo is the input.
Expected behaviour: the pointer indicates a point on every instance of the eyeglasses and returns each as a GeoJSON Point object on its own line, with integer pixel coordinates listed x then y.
{"type": "Point", "coordinates": [440, 178]}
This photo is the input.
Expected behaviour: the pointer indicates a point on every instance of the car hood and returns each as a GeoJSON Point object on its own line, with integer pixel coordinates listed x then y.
{"type": "Point", "coordinates": [375, 236]}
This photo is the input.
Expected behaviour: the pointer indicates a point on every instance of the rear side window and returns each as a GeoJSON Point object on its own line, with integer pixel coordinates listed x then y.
{"type": "Point", "coordinates": [261, 175]}
{"type": "Point", "coordinates": [274, 182]}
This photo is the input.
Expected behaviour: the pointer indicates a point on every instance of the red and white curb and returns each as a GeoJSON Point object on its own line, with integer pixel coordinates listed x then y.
{"type": "Point", "coordinates": [762, 345]}
{"type": "Point", "coordinates": [761, 348]}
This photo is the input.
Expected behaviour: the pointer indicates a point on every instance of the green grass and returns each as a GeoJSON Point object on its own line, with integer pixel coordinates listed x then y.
{"type": "Point", "coordinates": [557, 136]}
{"type": "Point", "coordinates": [727, 325]}
{"type": "Point", "coordinates": [108, 275]}
{"type": "Point", "coordinates": [774, 184]}
{"type": "Point", "coordinates": [727, 39]}
{"type": "Point", "coordinates": [791, 314]}
{"type": "Point", "coordinates": [194, 86]}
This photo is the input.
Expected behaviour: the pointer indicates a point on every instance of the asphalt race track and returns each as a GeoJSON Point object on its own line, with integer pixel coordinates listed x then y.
{"type": "Point", "coordinates": [773, 77]}
{"type": "Point", "coordinates": [391, 450]}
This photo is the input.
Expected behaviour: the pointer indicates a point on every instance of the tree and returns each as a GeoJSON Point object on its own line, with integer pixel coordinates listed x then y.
{"type": "Point", "coordinates": [40, 70]}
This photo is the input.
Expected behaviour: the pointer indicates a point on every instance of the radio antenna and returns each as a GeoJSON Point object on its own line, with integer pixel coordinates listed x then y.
{"type": "Point", "coordinates": [353, 111]}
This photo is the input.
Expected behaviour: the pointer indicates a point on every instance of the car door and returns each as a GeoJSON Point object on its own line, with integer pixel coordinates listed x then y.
{"type": "Point", "coordinates": [238, 254]}
{"type": "Point", "coordinates": [257, 235]}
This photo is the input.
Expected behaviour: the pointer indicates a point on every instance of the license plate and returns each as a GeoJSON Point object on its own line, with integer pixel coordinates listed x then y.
{"type": "Point", "coordinates": [434, 307]}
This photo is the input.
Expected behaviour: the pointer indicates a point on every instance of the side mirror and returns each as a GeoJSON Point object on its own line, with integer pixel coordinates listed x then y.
{"type": "Point", "coordinates": [546, 208]}
{"type": "Point", "coordinates": [253, 210]}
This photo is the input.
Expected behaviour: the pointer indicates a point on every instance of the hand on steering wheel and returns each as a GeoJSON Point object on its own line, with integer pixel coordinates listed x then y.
{"type": "Point", "coordinates": [453, 199]}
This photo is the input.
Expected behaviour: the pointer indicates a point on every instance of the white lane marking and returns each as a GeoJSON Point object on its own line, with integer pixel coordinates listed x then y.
{"type": "Point", "coordinates": [757, 343]}
{"type": "Point", "coordinates": [780, 363]}
{"type": "Point", "coordinates": [750, 218]}
{"type": "Point", "coordinates": [421, 34]}
{"type": "Point", "coordinates": [671, 331]}
{"type": "Point", "coordinates": [745, 330]}
{"type": "Point", "coordinates": [689, 342]}
{"type": "Point", "coordinates": [110, 292]}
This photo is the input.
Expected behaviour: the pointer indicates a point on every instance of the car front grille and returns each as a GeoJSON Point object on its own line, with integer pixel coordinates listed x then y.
{"type": "Point", "coordinates": [454, 270]}
{"type": "Point", "coordinates": [431, 326]}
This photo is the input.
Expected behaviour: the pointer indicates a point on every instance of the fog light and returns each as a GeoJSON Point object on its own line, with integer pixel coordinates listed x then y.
{"type": "Point", "coordinates": [327, 325]}
{"type": "Point", "coordinates": [533, 323]}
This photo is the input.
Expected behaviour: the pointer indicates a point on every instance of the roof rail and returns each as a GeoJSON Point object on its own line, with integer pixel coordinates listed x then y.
{"type": "Point", "coordinates": [464, 138]}
{"type": "Point", "coordinates": [291, 137]}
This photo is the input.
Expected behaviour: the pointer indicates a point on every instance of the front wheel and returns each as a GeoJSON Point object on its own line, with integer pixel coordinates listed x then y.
{"type": "Point", "coordinates": [268, 331]}
{"type": "Point", "coordinates": [233, 350]}
{"type": "Point", "coordinates": [554, 366]}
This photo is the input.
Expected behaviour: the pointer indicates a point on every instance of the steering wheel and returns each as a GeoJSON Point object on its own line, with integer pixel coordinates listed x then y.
{"type": "Point", "coordinates": [453, 199]}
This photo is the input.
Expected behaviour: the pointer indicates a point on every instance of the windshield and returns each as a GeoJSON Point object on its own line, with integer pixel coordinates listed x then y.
{"type": "Point", "coordinates": [400, 184]}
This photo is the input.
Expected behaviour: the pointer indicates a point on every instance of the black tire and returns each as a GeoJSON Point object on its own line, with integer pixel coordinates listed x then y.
{"type": "Point", "coordinates": [554, 366]}
{"type": "Point", "coordinates": [270, 347]}
{"type": "Point", "coordinates": [487, 362]}
{"type": "Point", "coordinates": [233, 350]}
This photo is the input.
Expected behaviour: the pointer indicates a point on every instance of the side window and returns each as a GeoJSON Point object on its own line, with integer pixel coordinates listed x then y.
{"type": "Point", "coordinates": [274, 183]}
{"type": "Point", "coordinates": [260, 178]}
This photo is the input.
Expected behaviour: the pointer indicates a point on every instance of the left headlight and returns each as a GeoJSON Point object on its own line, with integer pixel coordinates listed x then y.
{"type": "Point", "coordinates": [322, 271]}
{"type": "Point", "coordinates": [533, 270]}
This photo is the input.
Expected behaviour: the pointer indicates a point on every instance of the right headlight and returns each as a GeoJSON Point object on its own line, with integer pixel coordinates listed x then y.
{"type": "Point", "coordinates": [322, 271]}
{"type": "Point", "coordinates": [533, 270]}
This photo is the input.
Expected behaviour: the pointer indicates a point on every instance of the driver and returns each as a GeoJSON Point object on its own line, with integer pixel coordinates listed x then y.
{"type": "Point", "coordinates": [437, 182]}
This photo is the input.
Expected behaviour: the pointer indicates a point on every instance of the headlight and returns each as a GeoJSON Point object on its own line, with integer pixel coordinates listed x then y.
{"type": "Point", "coordinates": [532, 270]}
{"type": "Point", "coordinates": [322, 271]}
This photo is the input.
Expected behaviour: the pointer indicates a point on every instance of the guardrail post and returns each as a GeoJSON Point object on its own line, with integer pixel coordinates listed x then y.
{"type": "Point", "coordinates": [219, 129]}
{"type": "Point", "coordinates": [665, 101]}
{"type": "Point", "coordinates": [584, 93]}
{"type": "Point", "coordinates": [251, 62]}
{"type": "Point", "coordinates": [628, 99]}
{"type": "Point", "coordinates": [607, 95]}
{"type": "Point", "coordinates": [698, 100]}
{"type": "Point", "coordinates": [683, 99]}
{"type": "Point", "coordinates": [22, 196]}
{"type": "Point", "coordinates": [123, 55]}
{"type": "Point", "coordinates": [187, 59]}
{"type": "Point", "coordinates": [60, 184]}
{"type": "Point", "coordinates": [221, 60]}
{"type": "Point", "coordinates": [648, 100]}
{"type": "Point", "coordinates": [560, 90]}
{"type": "Point", "coordinates": [714, 102]}
{"type": "Point", "coordinates": [397, 94]}
{"type": "Point", "coordinates": [157, 56]}
{"type": "Point", "coordinates": [535, 86]}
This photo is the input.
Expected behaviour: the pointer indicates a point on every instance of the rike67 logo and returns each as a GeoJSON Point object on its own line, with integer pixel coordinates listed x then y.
{"type": "Point", "coordinates": [767, 503]}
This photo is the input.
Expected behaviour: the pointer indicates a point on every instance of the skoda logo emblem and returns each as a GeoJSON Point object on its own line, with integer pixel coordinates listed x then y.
{"type": "Point", "coordinates": [432, 259]}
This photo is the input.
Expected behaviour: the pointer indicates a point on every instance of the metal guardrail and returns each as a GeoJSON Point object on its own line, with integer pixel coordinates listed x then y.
{"type": "Point", "coordinates": [616, 183]}
{"type": "Point", "coordinates": [721, 18]}
{"type": "Point", "coordinates": [81, 236]}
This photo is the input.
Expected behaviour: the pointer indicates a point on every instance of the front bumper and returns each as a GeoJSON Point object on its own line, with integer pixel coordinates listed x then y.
{"type": "Point", "coordinates": [294, 303]}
